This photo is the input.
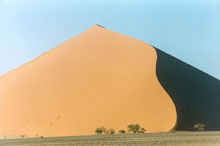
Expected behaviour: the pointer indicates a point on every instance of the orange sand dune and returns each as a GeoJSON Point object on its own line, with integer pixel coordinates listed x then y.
{"type": "Point", "coordinates": [99, 78]}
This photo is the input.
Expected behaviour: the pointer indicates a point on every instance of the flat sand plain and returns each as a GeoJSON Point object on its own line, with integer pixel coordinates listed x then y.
{"type": "Point", "coordinates": [156, 139]}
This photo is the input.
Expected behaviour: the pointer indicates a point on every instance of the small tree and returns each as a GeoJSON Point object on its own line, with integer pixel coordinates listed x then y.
{"type": "Point", "coordinates": [199, 126]}
{"type": "Point", "coordinates": [142, 130]}
{"type": "Point", "coordinates": [111, 131]}
{"type": "Point", "coordinates": [121, 131]}
{"type": "Point", "coordinates": [100, 130]}
{"type": "Point", "coordinates": [134, 128]}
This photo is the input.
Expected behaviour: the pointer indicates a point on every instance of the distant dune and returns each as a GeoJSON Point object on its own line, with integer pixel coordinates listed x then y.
{"type": "Point", "coordinates": [99, 78]}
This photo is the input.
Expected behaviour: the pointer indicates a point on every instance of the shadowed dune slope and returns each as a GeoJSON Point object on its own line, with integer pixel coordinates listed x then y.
{"type": "Point", "coordinates": [99, 78]}
{"type": "Point", "coordinates": [195, 93]}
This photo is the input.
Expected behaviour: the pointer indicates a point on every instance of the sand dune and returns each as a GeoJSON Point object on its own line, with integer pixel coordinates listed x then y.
{"type": "Point", "coordinates": [195, 93]}
{"type": "Point", "coordinates": [99, 78]}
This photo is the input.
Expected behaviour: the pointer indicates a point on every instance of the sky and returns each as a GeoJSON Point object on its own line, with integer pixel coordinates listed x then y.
{"type": "Point", "coordinates": [186, 29]}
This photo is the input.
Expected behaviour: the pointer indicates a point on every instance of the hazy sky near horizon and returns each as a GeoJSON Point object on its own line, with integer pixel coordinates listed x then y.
{"type": "Point", "coordinates": [186, 29]}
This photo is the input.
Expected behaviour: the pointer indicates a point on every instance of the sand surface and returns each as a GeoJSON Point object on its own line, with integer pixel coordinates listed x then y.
{"type": "Point", "coordinates": [99, 78]}
{"type": "Point", "coordinates": [150, 139]}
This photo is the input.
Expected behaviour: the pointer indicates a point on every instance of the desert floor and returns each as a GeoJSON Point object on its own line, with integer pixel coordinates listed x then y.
{"type": "Point", "coordinates": [158, 139]}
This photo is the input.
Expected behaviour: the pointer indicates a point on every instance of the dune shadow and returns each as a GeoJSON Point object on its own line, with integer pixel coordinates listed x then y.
{"type": "Point", "coordinates": [195, 94]}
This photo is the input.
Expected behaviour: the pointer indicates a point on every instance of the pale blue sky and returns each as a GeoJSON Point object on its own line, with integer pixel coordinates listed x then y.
{"type": "Point", "coordinates": [186, 29]}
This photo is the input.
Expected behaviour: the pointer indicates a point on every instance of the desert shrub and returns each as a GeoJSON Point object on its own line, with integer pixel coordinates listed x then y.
{"type": "Point", "coordinates": [142, 130]}
{"type": "Point", "coordinates": [101, 130]}
{"type": "Point", "coordinates": [136, 128]}
{"type": "Point", "coordinates": [111, 131]}
{"type": "Point", "coordinates": [98, 131]}
{"type": "Point", "coordinates": [199, 126]}
{"type": "Point", "coordinates": [121, 131]}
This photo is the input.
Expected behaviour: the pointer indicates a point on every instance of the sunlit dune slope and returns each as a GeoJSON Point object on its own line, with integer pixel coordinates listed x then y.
{"type": "Point", "coordinates": [99, 78]}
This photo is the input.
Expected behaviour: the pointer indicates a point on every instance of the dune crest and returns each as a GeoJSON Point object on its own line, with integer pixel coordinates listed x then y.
{"type": "Point", "coordinates": [99, 78]}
